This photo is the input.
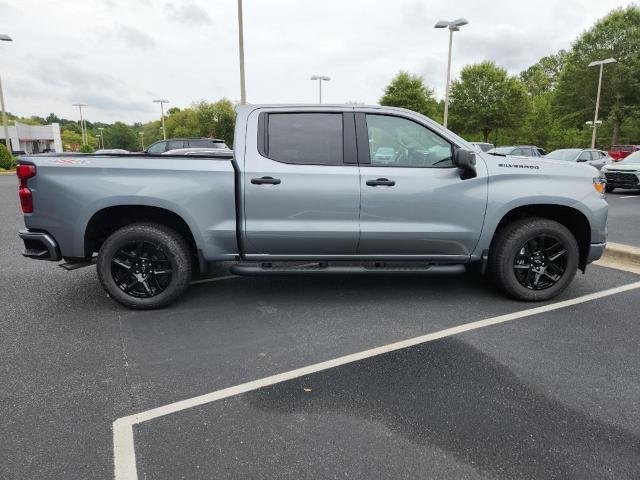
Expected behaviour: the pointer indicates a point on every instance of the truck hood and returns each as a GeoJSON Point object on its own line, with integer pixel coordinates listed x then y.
{"type": "Point", "coordinates": [538, 166]}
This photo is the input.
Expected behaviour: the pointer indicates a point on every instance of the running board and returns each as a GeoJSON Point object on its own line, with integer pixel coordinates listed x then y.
{"type": "Point", "coordinates": [323, 269]}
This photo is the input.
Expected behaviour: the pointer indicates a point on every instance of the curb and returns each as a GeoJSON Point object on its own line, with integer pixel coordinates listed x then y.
{"type": "Point", "coordinates": [624, 257]}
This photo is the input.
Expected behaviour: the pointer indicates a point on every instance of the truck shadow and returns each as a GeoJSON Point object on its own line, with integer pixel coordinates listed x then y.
{"type": "Point", "coordinates": [450, 395]}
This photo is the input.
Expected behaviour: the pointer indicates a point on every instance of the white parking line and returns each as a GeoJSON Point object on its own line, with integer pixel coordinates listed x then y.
{"type": "Point", "coordinates": [124, 456]}
{"type": "Point", "coordinates": [631, 196]}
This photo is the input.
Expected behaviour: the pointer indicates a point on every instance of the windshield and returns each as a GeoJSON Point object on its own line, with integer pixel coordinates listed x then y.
{"type": "Point", "coordinates": [501, 151]}
{"type": "Point", "coordinates": [633, 158]}
{"type": "Point", "coordinates": [566, 155]}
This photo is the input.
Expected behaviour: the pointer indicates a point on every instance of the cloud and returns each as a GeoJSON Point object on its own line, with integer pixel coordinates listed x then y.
{"type": "Point", "coordinates": [187, 12]}
{"type": "Point", "coordinates": [135, 38]}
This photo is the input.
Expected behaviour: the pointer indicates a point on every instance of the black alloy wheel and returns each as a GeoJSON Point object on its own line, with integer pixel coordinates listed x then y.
{"type": "Point", "coordinates": [141, 269]}
{"type": "Point", "coordinates": [541, 262]}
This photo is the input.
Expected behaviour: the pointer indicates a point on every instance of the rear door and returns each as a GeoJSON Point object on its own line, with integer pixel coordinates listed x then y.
{"type": "Point", "coordinates": [301, 184]}
{"type": "Point", "coordinates": [414, 202]}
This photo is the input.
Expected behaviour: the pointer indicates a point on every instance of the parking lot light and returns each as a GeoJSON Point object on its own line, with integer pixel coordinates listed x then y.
{"type": "Point", "coordinates": [601, 64]}
{"type": "Point", "coordinates": [320, 78]}
{"type": "Point", "coordinates": [453, 26]}
{"type": "Point", "coordinates": [162, 101]}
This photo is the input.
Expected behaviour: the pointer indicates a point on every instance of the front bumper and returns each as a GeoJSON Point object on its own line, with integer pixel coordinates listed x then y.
{"type": "Point", "coordinates": [595, 251]}
{"type": "Point", "coordinates": [39, 245]}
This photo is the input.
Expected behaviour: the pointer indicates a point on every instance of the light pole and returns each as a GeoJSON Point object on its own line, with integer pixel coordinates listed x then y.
{"type": "Point", "coordinates": [320, 78]}
{"type": "Point", "coordinates": [243, 92]}
{"type": "Point", "coordinates": [142, 139]}
{"type": "Point", "coordinates": [101, 136]}
{"type": "Point", "coordinates": [162, 102]}
{"type": "Point", "coordinates": [83, 131]}
{"type": "Point", "coordinates": [600, 63]}
{"type": "Point", "coordinates": [453, 27]}
{"type": "Point", "coordinates": [5, 38]}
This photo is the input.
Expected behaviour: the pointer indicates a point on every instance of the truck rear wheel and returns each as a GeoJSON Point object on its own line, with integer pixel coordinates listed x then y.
{"type": "Point", "coordinates": [534, 259]}
{"type": "Point", "coordinates": [144, 265]}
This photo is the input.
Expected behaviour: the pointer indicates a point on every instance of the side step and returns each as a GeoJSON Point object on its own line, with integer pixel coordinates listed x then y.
{"type": "Point", "coordinates": [324, 269]}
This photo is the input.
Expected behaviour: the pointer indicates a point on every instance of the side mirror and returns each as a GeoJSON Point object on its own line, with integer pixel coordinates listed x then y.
{"type": "Point", "coordinates": [465, 160]}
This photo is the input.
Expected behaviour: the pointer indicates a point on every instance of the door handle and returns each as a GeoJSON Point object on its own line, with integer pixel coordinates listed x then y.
{"type": "Point", "coordinates": [381, 181]}
{"type": "Point", "coordinates": [265, 180]}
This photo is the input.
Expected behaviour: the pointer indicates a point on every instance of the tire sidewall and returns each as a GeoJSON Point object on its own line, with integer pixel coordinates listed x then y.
{"type": "Point", "coordinates": [173, 248]}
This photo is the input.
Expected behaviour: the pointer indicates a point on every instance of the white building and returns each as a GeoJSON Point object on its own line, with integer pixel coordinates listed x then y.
{"type": "Point", "coordinates": [33, 138]}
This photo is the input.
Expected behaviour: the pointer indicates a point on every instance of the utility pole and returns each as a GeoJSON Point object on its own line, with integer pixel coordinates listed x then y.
{"type": "Point", "coordinates": [162, 102]}
{"type": "Point", "coordinates": [243, 92]}
{"type": "Point", "coordinates": [83, 128]}
{"type": "Point", "coordinates": [5, 38]}
{"type": "Point", "coordinates": [600, 63]}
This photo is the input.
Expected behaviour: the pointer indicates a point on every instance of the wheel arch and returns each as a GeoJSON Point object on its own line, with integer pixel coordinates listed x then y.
{"type": "Point", "coordinates": [109, 219]}
{"type": "Point", "coordinates": [573, 219]}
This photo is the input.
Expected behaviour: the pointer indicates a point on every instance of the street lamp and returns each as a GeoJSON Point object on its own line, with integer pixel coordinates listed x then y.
{"type": "Point", "coordinates": [453, 26]}
{"type": "Point", "coordinates": [243, 93]}
{"type": "Point", "coordinates": [83, 129]}
{"type": "Point", "coordinates": [600, 63]}
{"type": "Point", "coordinates": [142, 139]}
{"type": "Point", "coordinates": [320, 78]}
{"type": "Point", "coordinates": [5, 38]}
{"type": "Point", "coordinates": [162, 102]}
{"type": "Point", "coordinates": [101, 136]}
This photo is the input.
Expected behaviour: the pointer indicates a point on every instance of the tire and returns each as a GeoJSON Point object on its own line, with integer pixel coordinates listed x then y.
{"type": "Point", "coordinates": [609, 189]}
{"type": "Point", "coordinates": [525, 248]}
{"type": "Point", "coordinates": [147, 277]}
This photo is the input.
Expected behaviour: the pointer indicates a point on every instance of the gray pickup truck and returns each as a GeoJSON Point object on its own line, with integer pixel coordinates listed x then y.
{"type": "Point", "coordinates": [362, 190]}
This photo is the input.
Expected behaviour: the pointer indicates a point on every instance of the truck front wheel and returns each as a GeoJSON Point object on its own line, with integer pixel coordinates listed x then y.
{"type": "Point", "coordinates": [144, 265]}
{"type": "Point", "coordinates": [534, 259]}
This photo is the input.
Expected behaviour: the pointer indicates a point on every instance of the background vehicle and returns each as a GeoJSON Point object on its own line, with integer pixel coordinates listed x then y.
{"type": "Point", "coordinates": [306, 184]}
{"type": "Point", "coordinates": [202, 152]}
{"type": "Point", "coordinates": [618, 152]}
{"type": "Point", "coordinates": [485, 147]}
{"type": "Point", "coordinates": [111, 150]}
{"type": "Point", "coordinates": [595, 158]}
{"type": "Point", "coordinates": [162, 146]}
{"type": "Point", "coordinates": [623, 174]}
{"type": "Point", "coordinates": [517, 151]}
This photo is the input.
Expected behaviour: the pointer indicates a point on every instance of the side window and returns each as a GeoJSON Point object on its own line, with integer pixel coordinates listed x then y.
{"type": "Point", "coordinates": [584, 157]}
{"type": "Point", "coordinates": [517, 152]}
{"type": "Point", "coordinates": [305, 138]}
{"type": "Point", "coordinates": [399, 142]}
{"type": "Point", "coordinates": [174, 144]}
{"type": "Point", "coordinates": [157, 147]}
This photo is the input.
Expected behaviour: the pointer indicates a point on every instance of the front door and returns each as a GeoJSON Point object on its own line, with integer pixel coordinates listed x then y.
{"type": "Point", "coordinates": [301, 184]}
{"type": "Point", "coordinates": [414, 202]}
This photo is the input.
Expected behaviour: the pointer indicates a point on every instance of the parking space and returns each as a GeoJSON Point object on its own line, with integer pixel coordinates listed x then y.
{"type": "Point", "coordinates": [552, 395]}
{"type": "Point", "coordinates": [624, 216]}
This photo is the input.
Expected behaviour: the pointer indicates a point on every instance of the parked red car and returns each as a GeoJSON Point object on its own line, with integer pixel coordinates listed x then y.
{"type": "Point", "coordinates": [618, 152]}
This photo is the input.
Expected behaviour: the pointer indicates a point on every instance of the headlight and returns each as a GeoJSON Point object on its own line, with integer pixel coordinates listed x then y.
{"type": "Point", "coordinates": [599, 183]}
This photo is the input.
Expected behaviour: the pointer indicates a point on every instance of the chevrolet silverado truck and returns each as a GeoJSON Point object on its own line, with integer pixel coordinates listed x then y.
{"type": "Point", "coordinates": [315, 190]}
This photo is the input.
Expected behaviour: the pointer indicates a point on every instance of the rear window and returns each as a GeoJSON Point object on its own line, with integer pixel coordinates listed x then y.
{"type": "Point", "coordinates": [306, 138]}
{"type": "Point", "coordinates": [622, 148]}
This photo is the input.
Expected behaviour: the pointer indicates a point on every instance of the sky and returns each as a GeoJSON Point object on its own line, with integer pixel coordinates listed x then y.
{"type": "Point", "coordinates": [119, 55]}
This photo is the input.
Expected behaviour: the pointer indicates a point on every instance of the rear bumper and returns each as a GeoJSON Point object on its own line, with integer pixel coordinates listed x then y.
{"type": "Point", "coordinates": [595, 251]}
{"type": "Point", "coordinates": [39, 245]}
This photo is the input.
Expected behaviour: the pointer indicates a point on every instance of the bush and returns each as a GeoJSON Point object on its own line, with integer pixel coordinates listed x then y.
{"type": "Point", "coordinates": [86, 149]}
{"type": "Point", "coordinates": [7, 162]}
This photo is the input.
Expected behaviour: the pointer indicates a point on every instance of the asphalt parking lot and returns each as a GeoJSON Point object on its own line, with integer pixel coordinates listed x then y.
{"type": "Point", "coordinates": [549, 395]}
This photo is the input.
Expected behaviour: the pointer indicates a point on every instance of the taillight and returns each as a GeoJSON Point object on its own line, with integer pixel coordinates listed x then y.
{"type": "Point", "coordinates": [24, 172]}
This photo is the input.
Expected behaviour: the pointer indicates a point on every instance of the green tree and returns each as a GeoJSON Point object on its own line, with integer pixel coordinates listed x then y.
{"type": "Point", "coordinates": [71, 140]}
{"type": "Point", "coordinates": [7, 162]}
{"type": "Point", "coordinates": [217, 119]}
{"type": "Point", "coordinates": [86, 149]}
{"type": "Point", "coordinates": [120, 135]}
{"type": "Point", "coordinates": [409, 91]}
{"type": "Point", "coordinates": [486, 98]}
{"type": "Point", "coordinates": [542, 77]}
{"type": "Point", "coordinates": [617, 35]}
